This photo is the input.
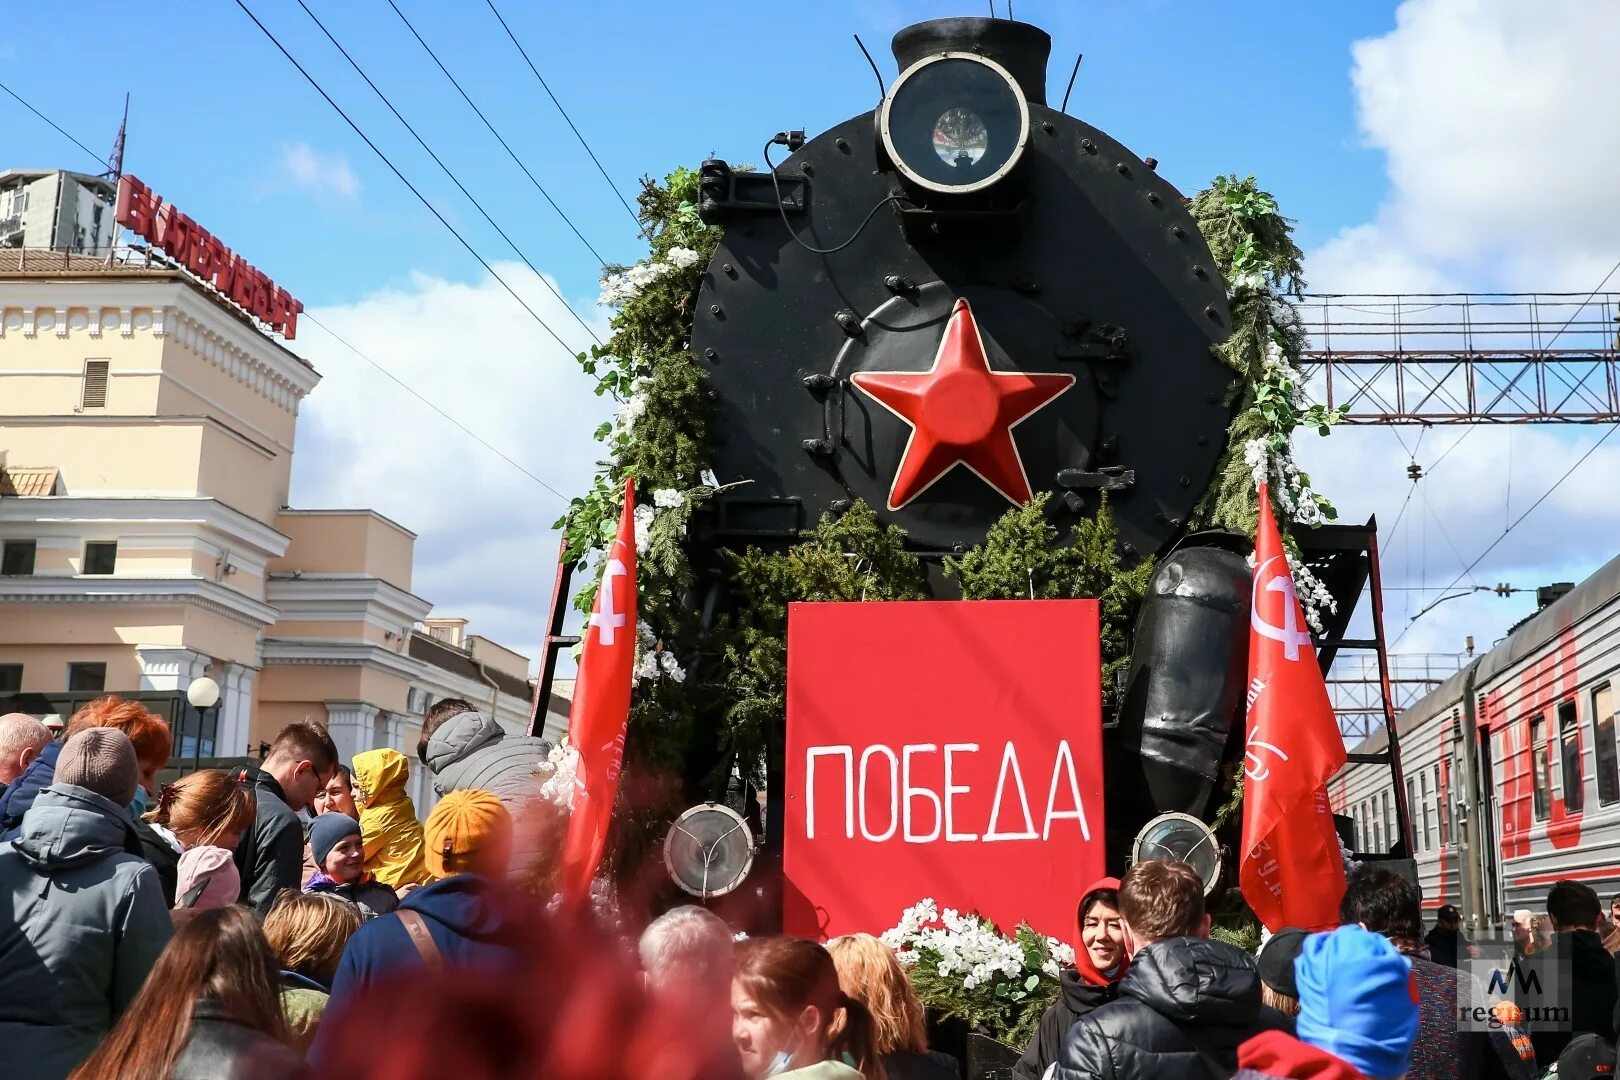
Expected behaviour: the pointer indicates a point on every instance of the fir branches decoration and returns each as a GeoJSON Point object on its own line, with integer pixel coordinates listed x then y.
{"type": "Point", "coordinates": [1021, 558]}
{"type": "Point", "coordinates": [848, 558]}
{"type": "Point", "coordinates": [1253, 244]}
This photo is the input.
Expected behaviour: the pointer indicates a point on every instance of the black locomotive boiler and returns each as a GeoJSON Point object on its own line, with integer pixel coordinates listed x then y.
{"type": "Point", "coordinates": [965, 297]}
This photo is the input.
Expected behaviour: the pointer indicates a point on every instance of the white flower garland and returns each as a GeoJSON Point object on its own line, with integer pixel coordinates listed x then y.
{"type": "Point", "coordinates": [967, 946]}
{"type": "Point", "coordinates": [621, 288]}
{"type": "Point", "coordinates": [562, 765]}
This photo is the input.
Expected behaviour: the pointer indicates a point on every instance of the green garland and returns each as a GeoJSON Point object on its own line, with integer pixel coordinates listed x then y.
{"type": "Point", "coordinates": [1253, 245]}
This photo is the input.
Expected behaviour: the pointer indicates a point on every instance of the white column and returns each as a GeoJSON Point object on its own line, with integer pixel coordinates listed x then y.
{"type": "Point", "coordinates": [168, 667]}
{"type": "Point", "coordinates": [235, 710]}
{"type": "Point", "coordinates": [352, 725]}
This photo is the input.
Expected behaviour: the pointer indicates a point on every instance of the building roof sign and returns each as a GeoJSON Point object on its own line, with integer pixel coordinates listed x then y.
{"type": "Point", "coordinates": [200, 252]}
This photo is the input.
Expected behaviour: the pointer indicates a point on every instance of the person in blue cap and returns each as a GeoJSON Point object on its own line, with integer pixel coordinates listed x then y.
{"type": "Point", "coordinates": [1358, 1014]}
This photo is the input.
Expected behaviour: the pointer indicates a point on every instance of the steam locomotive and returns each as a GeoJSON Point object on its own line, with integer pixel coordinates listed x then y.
{"type": "Point", "coordinates": [965, 297]}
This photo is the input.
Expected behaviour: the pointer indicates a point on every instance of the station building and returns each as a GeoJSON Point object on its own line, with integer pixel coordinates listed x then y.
{"type": "Point", "coordinates": [147, 431]}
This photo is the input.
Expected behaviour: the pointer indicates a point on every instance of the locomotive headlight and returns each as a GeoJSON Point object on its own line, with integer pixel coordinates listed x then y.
{"type": "Point", "coordinates": [954, 123]}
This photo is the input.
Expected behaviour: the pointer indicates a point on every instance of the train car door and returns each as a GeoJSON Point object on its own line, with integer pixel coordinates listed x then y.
{"type": "Point", "coordinates": [1488, 810]}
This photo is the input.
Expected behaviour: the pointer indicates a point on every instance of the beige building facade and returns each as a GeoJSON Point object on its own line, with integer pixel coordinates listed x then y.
{"type": "Point", "coordinates": [147, 431]}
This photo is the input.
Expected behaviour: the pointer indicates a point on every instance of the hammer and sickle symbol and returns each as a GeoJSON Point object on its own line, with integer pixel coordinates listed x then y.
{"type": "Point", "coordinates": [1289, 633]}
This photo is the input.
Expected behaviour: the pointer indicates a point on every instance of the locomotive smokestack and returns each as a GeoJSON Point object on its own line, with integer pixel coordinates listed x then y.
{"type": "Point", "coordinates": [1019, 47]}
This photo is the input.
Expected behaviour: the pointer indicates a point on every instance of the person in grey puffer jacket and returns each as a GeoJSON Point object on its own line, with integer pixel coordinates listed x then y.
{"type": "Point", "coordinates": [469, 751]}
{"type": "Point", "coordinates": [85, 919]}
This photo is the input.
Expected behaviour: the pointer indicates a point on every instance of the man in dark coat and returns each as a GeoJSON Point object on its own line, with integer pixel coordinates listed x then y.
{"type": "Point", "coordinates": [1386, 903]}
{"type": "Point", "coordinates": [271, 856]}
{"type": "Point", "coordinates": [20, 793]}
{"type": "Point", "coordinates": [1186, 1003]}
{"type": "Point", "coordinates": [1586, 965]}
{"type": "Point", "coordinates": [1445, 941]}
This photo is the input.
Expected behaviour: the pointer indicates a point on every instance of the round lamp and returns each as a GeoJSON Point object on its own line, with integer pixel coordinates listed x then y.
{"type": "Point", "coordinates": [203, 693]}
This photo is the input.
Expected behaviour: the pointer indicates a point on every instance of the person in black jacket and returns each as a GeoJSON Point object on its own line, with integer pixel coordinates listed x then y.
{"type": "Point", "coordinates": [1099, 963]}
{"type": "Point", "coordinates": [1187, 1002]}
{"type": "Point", "coordinates": [271, 856]}
{"type": "Point", "coordinates": [1446, 942]}
{"type": "Point", "coordinates": [1574, 910]}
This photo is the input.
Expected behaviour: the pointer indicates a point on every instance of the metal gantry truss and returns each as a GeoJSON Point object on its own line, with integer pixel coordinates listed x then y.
{"type": "Point", "coordinates": [1357, 692]}
{"type": "Point", "coordinates": [1465, 358]}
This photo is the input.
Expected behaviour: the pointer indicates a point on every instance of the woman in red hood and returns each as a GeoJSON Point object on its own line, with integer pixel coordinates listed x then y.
{"type": "Point", "coordinates": [1099, 963]}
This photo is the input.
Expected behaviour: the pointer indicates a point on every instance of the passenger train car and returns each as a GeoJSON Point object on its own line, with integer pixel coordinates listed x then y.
{"type": "Point", "coordinates": [1510, 766]}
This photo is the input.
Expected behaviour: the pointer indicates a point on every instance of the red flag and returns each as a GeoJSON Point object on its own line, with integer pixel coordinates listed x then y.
{"type": "Point", "coordinates": [601, 707]}
{"type": "Point", "coordinates": [1291, 871]}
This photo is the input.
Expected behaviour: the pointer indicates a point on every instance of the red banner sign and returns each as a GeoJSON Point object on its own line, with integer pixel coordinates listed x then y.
{"type": "Point", "coordinates": [194, 247]}
{"type": "Point", "coordinates": [942, 749]}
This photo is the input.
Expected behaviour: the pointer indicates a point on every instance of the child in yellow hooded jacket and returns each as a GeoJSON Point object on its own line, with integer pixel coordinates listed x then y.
{"type": "Point", "coordinates": [389, 831]}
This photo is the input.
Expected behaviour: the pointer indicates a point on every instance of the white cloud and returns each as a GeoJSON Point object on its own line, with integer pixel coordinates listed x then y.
{"type": "Point", "coordinates": [1495, 119]}
{"type": "Point", "coordinates": [485, 549]}
{"type": "Point", "coordinates": [307, 169]}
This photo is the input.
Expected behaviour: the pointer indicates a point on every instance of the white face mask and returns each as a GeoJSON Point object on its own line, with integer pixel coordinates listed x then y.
{"type": "Point", "coordinates": [781, 1063]}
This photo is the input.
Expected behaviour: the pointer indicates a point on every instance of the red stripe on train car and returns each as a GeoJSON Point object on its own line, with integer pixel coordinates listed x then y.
{"type": "Point", "coordinates": [1572, 875]}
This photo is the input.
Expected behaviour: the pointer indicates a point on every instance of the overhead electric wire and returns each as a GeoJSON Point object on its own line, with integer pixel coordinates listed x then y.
{"type": "Point", "coordinates": [407, 387]}
{"type": "Point", "coordinates": [544, 86]}
{"type": "Point", "coordinates": [51, 122]}
{"type": "Point", "coordinates": [1516, 522]}
{"type": "Point", "coordinates": [402, 179]}
{"type": "Point", "coordinates": [504, 145]}
{"type": "Point", "coordinates": [418, 395]}
{"type": "Point", "coordinates": [447, 171]}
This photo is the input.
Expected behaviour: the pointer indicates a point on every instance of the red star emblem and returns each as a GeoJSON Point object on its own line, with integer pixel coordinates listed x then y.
{"type": "Point", "coordinates": [961, 412]}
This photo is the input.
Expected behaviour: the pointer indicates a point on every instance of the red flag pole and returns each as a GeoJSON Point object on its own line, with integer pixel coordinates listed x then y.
{"type": "Point", "coordinates": [1290, 870]}
{"type": "Point", "coordinates": [600, 713]}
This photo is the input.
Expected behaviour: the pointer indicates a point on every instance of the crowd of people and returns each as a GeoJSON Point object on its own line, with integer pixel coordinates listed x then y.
{"type": "Point", "coordinates": [297, 918]}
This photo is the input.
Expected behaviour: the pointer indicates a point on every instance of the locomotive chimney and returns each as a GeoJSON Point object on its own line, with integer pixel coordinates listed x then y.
{"type": "Point", "coordinates": [1019, 47]}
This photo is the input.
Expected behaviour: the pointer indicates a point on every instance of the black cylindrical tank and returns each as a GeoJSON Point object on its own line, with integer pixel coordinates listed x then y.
{"type": "Point", "coordinates": [1188, 668]}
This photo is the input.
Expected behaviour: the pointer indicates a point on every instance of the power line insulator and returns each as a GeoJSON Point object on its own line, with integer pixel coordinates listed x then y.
{"type": "Point", "coordinates": [1414, 472]}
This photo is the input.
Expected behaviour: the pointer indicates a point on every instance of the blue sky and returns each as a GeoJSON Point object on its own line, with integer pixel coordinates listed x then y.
{"type": "Point", "coordinates": [650, 85]}
{"type": "Point", "coordinates": [1409, 141]}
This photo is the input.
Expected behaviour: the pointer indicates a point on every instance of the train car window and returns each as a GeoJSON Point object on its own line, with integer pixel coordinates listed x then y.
{"type": "Point", "coordinates": [1604, 758]}
{"type": "Point", "coordinates": [1540, 768]}
{"type": "Point", "coordinates": [1440, 808]}
{"type": "Point", "coordinates": [1569, 746]}
{"type": "Point", "coordinates": [1428, 812]}
{"type": "Point", "coordinates": [1411, 805]}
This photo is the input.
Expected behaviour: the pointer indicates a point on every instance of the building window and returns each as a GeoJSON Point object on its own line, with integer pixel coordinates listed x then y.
{"type": "Point", "coordinates": [100, 556]}
{"type": "Point", "coordinates": [87, 678]}
{"type": "Point", "coordinates": [1540, 767]}
{"type": "Point", "coordinates": [17, 558]}
{"type": "Point", "coordinates": [1378, 827]}
{"type": "Point", "coordinates": [95, 384]}
{"type": "Point", "coordinates": [1389, 821]}
{"type": "Point", "coordinates": [1604, 758]}
{"type": "Point", "coordinates": [1569, 744]}
{"type": "Point", "coordinates": [10, 678]}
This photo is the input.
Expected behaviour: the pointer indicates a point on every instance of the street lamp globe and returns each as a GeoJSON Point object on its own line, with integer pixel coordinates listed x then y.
{"type": "Point", "coordinates": [203, 693]}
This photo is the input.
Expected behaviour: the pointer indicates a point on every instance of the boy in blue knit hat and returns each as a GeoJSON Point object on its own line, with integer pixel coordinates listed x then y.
{"type": "Point", "coordinates": [1358, 1014]}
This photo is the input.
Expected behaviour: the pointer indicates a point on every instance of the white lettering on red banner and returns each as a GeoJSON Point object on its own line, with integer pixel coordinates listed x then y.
{"type": "Point", "coordinates": [199, 251]}
{"type": "Point", "coordinates": [941, 816]}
